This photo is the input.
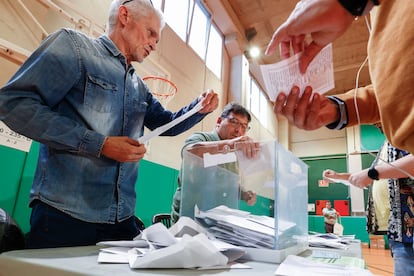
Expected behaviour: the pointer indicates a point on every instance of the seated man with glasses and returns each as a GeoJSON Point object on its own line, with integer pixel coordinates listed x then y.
{"type": "Point", "coordinates": [230, 131]}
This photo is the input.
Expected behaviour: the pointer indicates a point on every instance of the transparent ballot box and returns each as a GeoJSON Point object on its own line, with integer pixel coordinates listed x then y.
{"type": "Point", "coordinates": [257, 202]}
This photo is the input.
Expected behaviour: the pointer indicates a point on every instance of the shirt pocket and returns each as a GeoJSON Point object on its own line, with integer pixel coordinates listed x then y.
{"type": "Point", "coordinates": [100, 94]}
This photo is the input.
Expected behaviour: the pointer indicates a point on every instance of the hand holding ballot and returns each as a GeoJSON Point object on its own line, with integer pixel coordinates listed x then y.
{"type": "Point", "coordinates": [283, 75]}
{"type": "Point", "coordinates": [292, 94]}
{"type": "Point", "coordinates": [308, 111]}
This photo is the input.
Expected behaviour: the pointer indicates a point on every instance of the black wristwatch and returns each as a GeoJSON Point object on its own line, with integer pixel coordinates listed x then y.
{"type": "Point", "coordinates": [373, 173]}
{"type": "Point", "coordinates": [358, 7]}
{"type": "Point", "coordinates": [343, 114]}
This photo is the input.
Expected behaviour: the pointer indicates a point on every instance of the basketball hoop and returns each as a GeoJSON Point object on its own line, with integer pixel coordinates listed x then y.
{"type": "Point", "coordinates": [161, 88]}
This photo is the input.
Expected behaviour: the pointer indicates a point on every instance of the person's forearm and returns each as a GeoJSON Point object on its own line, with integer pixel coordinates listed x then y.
{"type": "Point", "coordinates": [340, 176]}
{"type": "Point", "coordinates": [366, 101]}
{"type": "Point", "coordinates": [401, 168]}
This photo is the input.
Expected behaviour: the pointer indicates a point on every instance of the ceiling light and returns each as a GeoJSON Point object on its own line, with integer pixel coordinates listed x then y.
{"type": "Point", "coordinates": [254, 52]}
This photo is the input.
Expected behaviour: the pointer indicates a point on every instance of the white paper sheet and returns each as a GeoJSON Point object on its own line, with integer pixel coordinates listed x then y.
{"type": "Point", "coordinates": [118, 255]}
{"type": "Point", "coordinates": [133, 243]}
{"type": "Point", "coordinates": [158, 235]}
{"type": "Point", "coordinates": [12, 139]}
{"type": "Point", "coordinates": [186, 226]}
{"type": "Point", "coordinates": [298, 266]}
{"type": "Point", "coordinates": [189, 252]}
{"type": "Point", "coordinates": [167, 251]}
{"type": "Point", "coordinates": [159, 130]}
{"type": "Point", "coordinates": [218, 159]}
{"type": "Point", "coordinates": [281, 76]}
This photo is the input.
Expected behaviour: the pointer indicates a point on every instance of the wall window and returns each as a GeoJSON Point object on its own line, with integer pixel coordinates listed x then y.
{"type": "Point", "coordinates": [191, 21]}
{"type": "Point", "coordinates": [177, 14]}
{"type": "Point", "coordinates": [214, 59]}
{"type": "Point", "coordinates": [257, 101]}
{"type": "Point", "coordinates": [199, 31]}
{"type": "Point", "coordinates": [254, 98]}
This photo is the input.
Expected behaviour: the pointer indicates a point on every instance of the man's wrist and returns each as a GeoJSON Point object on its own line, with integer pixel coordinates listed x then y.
{"type": "Point", "coordinates": [358, 7]}
{"type": "Point", "coordinates": [342, 122]}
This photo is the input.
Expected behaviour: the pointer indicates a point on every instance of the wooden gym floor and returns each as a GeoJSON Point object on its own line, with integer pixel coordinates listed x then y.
{"type": "Point", "coordinates": [378, 261]}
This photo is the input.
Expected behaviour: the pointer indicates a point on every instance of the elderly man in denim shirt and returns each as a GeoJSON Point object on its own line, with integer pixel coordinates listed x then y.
{"type": "Point", "coordinates": [81, 99]}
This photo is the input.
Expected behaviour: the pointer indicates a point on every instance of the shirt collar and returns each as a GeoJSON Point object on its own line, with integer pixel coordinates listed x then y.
{"type": "Point", "coordinates": [110, 45]}
{"type": "Point", "coordinates": [112, 48]}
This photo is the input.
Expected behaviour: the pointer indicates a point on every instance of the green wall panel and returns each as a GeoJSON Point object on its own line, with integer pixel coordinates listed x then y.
{"type": "Point", "coordinates": [263, 206]}
{"type": "Point", "coordinates": [22, 211]}
{"type": "Point", "coordinates": [352, 226]}
{"type": "Point", "coordinates": [155, 188]}
{"type": "Point", "coordinates": [11, 165]}
{"type": "Point", "coordinates": [371, 138]}
{"type": "Point", "coordinates": [335, 191]}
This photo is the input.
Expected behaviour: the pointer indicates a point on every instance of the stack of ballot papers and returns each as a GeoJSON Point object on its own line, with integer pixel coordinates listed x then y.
{"type": "Point", "coordinates": [184, 245]}
{"type": "Point", "coordinates": [241, 228]}
{"type": "Point", "coordinates": [330, 240]}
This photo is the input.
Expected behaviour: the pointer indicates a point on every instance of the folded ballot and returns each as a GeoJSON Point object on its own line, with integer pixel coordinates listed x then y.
{"type": "Point", "coordinates": [184, 245]}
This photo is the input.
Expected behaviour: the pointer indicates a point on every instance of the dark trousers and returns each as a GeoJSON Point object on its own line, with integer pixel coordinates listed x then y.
{"type": "Point", "coordinates": [329, 228]}
{"type": "Point", "coordinates": [53, 228]}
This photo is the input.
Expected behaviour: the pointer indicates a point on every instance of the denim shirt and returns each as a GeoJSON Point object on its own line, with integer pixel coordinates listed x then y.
{"type": "Point", "coordinates": [70, 94]}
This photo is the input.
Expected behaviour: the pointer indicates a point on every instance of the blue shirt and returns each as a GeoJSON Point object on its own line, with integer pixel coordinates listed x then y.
{"type": "Point", "coordinates": [70, 94]}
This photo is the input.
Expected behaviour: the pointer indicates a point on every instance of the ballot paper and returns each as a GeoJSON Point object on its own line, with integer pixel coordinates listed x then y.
{"type": "Point", "coordinates": [297, 266]}
{"type": "Point", "coordinates": [160, 130]}
{"type": "Point", "coordinates": [166, 250]}
{"type": "Point", "coordinates": [327, 241]}
{"type": "Point", "coordinates": [282, 76]}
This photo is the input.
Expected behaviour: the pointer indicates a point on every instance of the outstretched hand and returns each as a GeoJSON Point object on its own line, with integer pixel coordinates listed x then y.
{"type": "Point", "coordinates": [322, 21]}
{"type": "Point", "coordinates": [331, 174]}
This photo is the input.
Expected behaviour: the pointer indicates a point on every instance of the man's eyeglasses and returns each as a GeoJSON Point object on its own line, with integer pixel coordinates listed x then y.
{"type": "Point", "coordinates": [127, 1]}
{"type": "Point", "coordinates": [237, 123]}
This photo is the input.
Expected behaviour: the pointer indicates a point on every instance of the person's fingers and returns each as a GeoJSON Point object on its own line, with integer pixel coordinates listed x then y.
{"type": "Point", "coordinates": [301, 110]}
{"type": "Point", "coordinates": [274, 43]}
{"type": "Point", "coordinates": [327, 173]}
{"type": "Point", "coordinates": [284, 49]}
{"type": "Point", "coordinates": [279, 104]}
{"type": "Point", "coordinates": [298, 44]}
{"type": "Point", "coordinates": [210, 101]}
{"type": "Point", "coordinates": [308, 55]}
{"type": "Point", "coordinates": [291, 104]}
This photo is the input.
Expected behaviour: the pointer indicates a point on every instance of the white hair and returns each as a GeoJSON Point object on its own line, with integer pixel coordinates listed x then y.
{"type": "Point", "coordinates": [139, 9]}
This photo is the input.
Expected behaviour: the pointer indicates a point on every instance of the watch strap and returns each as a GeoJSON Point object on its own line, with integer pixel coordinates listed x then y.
{"type": "Point", "coordinates": [343, 114]}
{"type": "Point", "coordinates": [358, 7]}
{"type": "Point", "coordinates": [373, 173]}
{"type": "Point", "coordinates": [354, 7]}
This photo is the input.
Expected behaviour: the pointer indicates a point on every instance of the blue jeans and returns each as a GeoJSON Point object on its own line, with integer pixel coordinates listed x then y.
{"type": "Point", "coordinates": [403, 256]}
{"type": "Point", "coordinates": [53, 228]}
